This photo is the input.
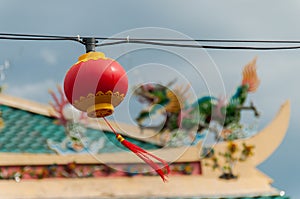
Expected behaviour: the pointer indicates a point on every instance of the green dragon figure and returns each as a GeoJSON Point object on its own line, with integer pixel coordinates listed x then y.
{"type": "Point", "coordinates": [227, 112]}
{"type": "Point", "coordinates": [161, 100]}
{"type": "Point", "coordinates": [172, 103]}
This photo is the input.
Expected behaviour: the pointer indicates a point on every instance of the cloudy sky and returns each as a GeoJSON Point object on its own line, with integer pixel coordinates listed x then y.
{"type": "Point", "coordinates": [36, 66]}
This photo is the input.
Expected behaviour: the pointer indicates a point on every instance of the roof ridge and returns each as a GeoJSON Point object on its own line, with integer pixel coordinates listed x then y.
{"type": "Point", "coordinates": [26, 105]}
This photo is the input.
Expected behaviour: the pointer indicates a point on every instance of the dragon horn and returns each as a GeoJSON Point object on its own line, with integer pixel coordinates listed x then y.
{"type": "Point", "coordinates": [250, 77]}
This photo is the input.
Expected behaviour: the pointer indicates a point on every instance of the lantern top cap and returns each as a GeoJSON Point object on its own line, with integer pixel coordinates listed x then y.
{"type": "Point", "coordinates": [91, 56]}
{"type": "Point", "coordinates": [90, 44]}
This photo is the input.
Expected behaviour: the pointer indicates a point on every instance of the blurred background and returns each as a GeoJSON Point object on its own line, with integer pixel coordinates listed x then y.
{"type": "Point", "coordinates": [36, 66]}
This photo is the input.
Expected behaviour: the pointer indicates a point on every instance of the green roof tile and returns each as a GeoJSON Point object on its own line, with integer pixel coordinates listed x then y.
{"type": "Point", "coordinates": [27, 132]}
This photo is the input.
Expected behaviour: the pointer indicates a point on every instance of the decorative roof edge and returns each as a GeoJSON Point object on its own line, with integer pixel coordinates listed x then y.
{"type": "Point", "coordinates": [26, 105]}
{"type": "Point", "coordinates": [46, 110]}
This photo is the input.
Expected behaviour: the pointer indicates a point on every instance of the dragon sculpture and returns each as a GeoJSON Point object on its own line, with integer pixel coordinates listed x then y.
{"type": "Point", "coordinates": [161, 100]}
{"type": "Point", "coordinates": [179, 114]}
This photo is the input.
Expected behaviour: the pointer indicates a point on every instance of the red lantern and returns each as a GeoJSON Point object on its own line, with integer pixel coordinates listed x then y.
{"type": "Point", "coordinates": [96, 84]}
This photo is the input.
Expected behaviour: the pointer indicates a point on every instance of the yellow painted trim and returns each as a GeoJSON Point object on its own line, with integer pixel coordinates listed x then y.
{"type": "Point", "coordinates": [91, 56]}
{"type": "Point", "coordinates": [181, 154]}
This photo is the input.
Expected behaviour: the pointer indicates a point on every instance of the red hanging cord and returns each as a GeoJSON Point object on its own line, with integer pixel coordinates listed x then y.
{"type": "Point", "coordinates": [143, 154]}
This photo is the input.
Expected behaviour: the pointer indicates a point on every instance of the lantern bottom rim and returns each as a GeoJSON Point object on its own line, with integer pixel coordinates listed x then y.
{"type": "Point", "coordinates": [100, 110]}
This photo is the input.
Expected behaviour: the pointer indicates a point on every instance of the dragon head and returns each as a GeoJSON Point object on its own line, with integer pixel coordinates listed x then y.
{"type": "Point", "coordinates": [151, 93]}
{"type": "Point", "coordinates": [144, 93]}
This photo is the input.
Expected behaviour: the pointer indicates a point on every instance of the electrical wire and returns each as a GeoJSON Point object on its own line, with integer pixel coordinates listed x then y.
{"type": "Point", "coordinates": [34, 37]}
{"type": "Point", "coordinates": [201, 40]}
{"type": "Point", "coordinates": [161, 42]}
{"type": "Point", "coordinates": [201, 46]}
{"type": "Point", "coordinates": [30, 38]}
{"type": "Point", "coordinates": [154, 39]}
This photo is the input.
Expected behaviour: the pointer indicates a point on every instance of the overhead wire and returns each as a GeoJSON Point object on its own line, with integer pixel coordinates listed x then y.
{"type": "Point", "coordinates": [172, 42]}
{"type": "Point", "coordinates": [200, 46]}
{"type": "Point", "coordinates": [33, 37]}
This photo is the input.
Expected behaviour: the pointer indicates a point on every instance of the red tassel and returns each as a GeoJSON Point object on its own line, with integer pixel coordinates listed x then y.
{"type": "Point", "coordinates": [144, 155]}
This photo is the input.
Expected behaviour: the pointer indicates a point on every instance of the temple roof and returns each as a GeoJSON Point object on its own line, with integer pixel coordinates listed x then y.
{"type": "Point", "coordinates": [28, 126]}
{"type": "Point", "coordinates": [27, 131]}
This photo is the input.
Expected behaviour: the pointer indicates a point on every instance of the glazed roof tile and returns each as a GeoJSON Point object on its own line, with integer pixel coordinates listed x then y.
{"type": "Point", "coordinates": [27, 132]}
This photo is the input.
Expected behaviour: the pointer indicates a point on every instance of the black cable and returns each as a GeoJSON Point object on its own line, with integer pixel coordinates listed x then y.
{"type": "Point", "coordinates": [202, 40]}
{"type": "Point", "coordinates": [152, 39]}
{"type": "Point", "coordinates": [112, 43]}
{"type": "Point", "coordinates": [200, 46]}
{"type": "Point", "coordinates": [33, 37]}
{"type": "Point", "coordinates": [155, 41]}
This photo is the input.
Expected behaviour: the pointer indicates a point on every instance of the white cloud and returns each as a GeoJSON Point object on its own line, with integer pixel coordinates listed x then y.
{"type": "Point", "coordinates": [37, 91]}
{"type": "Point", "coordinates": [49, 56]}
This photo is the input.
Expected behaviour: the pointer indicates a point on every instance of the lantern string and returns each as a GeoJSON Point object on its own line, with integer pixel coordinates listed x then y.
{"type": "Point", "coordinates": [110, 126]}
{"type": "Point", "coordinates": [143, 154]}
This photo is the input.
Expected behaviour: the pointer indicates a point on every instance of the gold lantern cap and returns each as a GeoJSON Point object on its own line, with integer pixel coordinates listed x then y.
{"type": "Point", "coordinates": [100, 104]}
